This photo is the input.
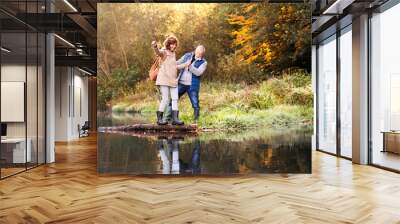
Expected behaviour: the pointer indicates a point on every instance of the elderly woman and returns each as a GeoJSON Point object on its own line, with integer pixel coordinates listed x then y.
{"type": "Point", "coordinates": [167, 79]}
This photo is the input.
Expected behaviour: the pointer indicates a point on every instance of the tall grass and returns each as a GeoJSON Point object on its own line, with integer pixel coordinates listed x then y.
{"type": "Point", "coordinates": [279, 102]}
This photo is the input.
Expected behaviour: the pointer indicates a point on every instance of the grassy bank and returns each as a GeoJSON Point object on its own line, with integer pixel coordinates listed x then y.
{"type": "Point", "coordinates": [277, 102]}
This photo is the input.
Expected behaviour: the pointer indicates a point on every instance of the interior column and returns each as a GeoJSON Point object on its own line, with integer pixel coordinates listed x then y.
{"type": "Point", "coordinates": [360, 90]}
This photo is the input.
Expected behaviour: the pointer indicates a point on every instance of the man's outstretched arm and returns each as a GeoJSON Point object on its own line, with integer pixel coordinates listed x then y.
{"type": "Point", "coordinates": [181, 60]}
{"type": "Point", "coordinates": [180, 64]}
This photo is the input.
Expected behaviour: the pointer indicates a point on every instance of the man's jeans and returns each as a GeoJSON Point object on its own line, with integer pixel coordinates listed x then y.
{"type": "Point", "coordinates": [193, 96]}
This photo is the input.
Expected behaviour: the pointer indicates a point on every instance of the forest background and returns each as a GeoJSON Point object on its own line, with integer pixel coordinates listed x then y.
{"type": "Point", "coordinates": [258, 54]}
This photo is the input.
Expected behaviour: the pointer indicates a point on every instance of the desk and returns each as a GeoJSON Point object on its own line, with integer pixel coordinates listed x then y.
{"type": "Point", "coordinates": [391, 141]}
{"type": "Point", "coordinates": [17, 147]}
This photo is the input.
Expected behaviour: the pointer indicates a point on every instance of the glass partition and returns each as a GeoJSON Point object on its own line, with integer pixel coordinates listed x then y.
{"type": "Point", "coordinates": [385, 89]}
{"type": "Point", "coordinates": [22, 77]}
{"type": "Point", "coordinates": [14, 153]}
{"type": "Point", "coordinates": [327, 95]}
{"type": "Point", "coordinates": [346, 92]}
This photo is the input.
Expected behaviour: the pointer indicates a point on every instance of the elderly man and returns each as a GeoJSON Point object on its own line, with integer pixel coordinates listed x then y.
{"type": "Point", "coordinates": [189, 77]}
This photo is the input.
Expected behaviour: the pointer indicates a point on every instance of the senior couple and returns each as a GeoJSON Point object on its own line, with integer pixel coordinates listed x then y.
{"type": "Point", "coordinates": [178, 77]}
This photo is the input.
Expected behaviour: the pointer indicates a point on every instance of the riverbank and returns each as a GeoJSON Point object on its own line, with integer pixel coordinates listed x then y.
{"type": "Point", "coordinates": [277, 102]}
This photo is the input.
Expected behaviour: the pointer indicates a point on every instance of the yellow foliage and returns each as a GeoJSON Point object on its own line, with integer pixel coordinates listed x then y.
{"type": "Point", "coordinates": [265, 39]}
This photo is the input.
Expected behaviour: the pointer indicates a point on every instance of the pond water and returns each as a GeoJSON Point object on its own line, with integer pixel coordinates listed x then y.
{"type": "Point", "coordinates": [259, 150]}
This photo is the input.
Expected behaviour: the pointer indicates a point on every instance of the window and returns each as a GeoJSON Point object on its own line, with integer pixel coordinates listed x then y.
{"type": "Point", "coordinates": [22, 77]}
{"type": "Point", "coordinates": [327, 95]}
{"type": "Point", "coordinates": [385, 89]}
{"type": "Point", "coordinates": [346, 92]}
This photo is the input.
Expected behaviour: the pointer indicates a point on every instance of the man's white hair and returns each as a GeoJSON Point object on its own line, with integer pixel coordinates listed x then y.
{"type": "Point", "coordinates": [202, 48]}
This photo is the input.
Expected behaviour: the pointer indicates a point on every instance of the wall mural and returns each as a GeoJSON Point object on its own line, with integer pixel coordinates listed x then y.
{"type": "Point", "coordinates": [204, 88]}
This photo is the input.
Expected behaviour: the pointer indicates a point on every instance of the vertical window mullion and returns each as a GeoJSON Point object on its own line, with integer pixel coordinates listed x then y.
{"type": "Point", "coordinates": [317, 96]}
{"type": "Point", "coordinates": [338, 76]}
{"type": "Point", "coordinates": [37, 90]}
{"type": "Point", "coordinates": [369, 96]}
{"type": "Point", "coordinates": [0, 89]}
{"type": "Point", "coordinates": [26, 86]}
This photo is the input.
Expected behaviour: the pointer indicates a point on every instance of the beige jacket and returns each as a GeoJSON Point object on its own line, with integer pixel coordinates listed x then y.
{"type": "Point", "coordinates": [168, 73]}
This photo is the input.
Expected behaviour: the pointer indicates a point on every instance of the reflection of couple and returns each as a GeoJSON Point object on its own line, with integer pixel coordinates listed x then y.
{"type": "Point", "coordinates": [171, 163]}
{"type": "Point", "coordinates": [173, 84]}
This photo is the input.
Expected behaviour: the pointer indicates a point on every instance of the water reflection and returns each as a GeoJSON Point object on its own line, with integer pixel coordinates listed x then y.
{"type": "Point", "coordinates": [171, 163]}
{"type": "Point", "coordinates": [254, 151]}
{"type": "Point", "coordinates": [169, 153]}
{"type": "Point", "coordinates": [216, 153]}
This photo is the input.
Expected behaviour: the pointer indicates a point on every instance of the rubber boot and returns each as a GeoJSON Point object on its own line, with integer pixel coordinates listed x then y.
{"type": "Point", "coordinates": [160, 120]}
{"type": "Point", "coordinates": [175, 118]}
{"type": "Point", "coordinates": [196, 114]}
{"type": "Point", "coordinates": [167, 114]}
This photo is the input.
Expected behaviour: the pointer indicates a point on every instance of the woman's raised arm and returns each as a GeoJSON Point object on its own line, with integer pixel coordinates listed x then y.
{"type": "Point", "coordinates": [156, 50]}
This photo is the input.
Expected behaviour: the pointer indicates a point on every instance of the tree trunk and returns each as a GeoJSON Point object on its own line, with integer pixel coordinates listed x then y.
{"type": "Point", "coordinates": [119, 40]}
{"type": "Point", "coordinates": [103, 60]}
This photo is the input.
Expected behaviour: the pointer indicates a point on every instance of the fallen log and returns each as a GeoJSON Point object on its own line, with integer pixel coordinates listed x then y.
{"type": "Point", "coordinates": [151, 128]}
{"type": "Point", "coordinates": [156, 135]}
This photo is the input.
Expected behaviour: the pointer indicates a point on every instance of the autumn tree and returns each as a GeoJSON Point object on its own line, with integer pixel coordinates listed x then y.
{"type": "Point", "coordinates": [244, 42]}
{"type": "Point", "coordinates": [272, 36]}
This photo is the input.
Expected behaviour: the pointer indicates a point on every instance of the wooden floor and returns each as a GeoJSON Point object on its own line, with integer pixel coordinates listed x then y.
{"type": "Point", "coordinates": [387, 159]}
{"type": "Point", "coordinates": [70, 191]}
{"type": "Point", "coordinates": [10, 171]}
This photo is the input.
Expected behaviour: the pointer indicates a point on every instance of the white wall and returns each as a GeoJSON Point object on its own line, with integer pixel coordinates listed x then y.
{"type": "Point", "coordinates": [12, 73]}
{"type": "Point", "coordinates": [62, 81]}
{"type": "Point", "coordinates": [71, 102]}
{"type": "Point", "coordinates": [13, 100]}
{"type": "Point", "coordinates": [80, 110]}
{"type": "Point", "coordinates": [33, 126]}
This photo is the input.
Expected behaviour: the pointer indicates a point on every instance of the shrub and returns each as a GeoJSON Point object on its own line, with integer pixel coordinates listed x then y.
{"type": "Point", "coordinates": [240, 106]}
{"type": "Point", "coordinates": [297, 78]}
{"type": "Point", "coordinates": [146, 87]}
{"type": "Point", "coordinates": [230, 68]}
{"type": "Point", "coordinates": [300, 96]}
{"type": "Point", "coordinates": [282, 119]}
{"type": "Point", "coordinates": [104, 95]}
{"type": "Point", "coordinates": [234, 122]}
{"type": "Point", "coordinates": [262, 100]}
{"type": "Point", "coordinates": [119, 108]}
{"type": "Point", "coordinates": [131, 109]}
{"type": "Point", "coordinates": [279, 88]}
{"type": "Point", "coordinates": [118, 84]}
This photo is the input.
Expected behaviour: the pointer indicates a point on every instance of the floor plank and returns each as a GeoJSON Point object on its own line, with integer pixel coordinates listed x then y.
{"type": "Point", "coordinates": [70, 191]}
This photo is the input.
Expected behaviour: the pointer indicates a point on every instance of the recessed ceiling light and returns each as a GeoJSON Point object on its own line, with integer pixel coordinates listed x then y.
{"type": "Point", "coordinates": [64, 40]}
{"type": "Point", "coordinates": [337, 7]}
{"type": "Point", "coordinates": [84, 71]}
{"type": "Point", "coordinates": [5, 50]}
{"type": "Point", "coordinates": [70, 5]}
